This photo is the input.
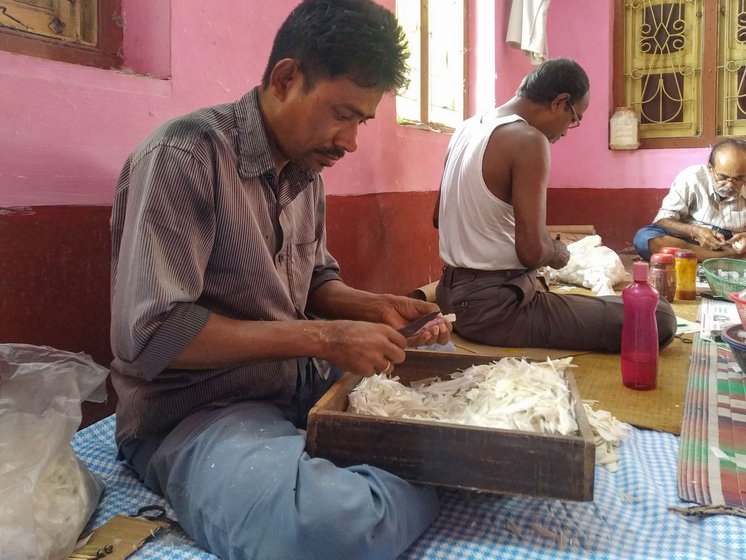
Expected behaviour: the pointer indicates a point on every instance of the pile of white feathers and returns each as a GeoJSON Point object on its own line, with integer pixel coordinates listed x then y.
{"type": "Point", "coordinates": [509, 393]}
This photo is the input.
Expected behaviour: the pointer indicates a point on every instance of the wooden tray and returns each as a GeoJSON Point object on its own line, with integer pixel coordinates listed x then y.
{"type": "Point", "coordinates": [484, 459]}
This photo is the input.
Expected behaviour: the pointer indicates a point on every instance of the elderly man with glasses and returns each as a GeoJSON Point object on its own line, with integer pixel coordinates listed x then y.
{"type": "Point", "coordinates": [705, 210]}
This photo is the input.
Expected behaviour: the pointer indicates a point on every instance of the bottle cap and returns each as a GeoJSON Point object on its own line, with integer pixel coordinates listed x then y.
{"type": "Point", "coordinates": [685, 254]}
{"type": "Point", "coordinates": [664, 258]}
{"type": "Point", "coordinates": [669, 250]}
{"type": "Point", "coordinates": [640, 271]}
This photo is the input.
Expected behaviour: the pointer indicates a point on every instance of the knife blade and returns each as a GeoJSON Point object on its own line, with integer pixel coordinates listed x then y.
{"type": "Point", "coordinates": [418, 323]}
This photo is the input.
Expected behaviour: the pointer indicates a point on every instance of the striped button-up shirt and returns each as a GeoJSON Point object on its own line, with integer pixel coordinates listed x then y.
{"type": "Point", "coordinates": [692, 199]}
{"type": "Point", "coordinates": [201, 224]}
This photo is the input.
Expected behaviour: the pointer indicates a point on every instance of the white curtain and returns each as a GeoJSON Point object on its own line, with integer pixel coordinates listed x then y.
{"type": "Point", "coordinates": [527, 28]}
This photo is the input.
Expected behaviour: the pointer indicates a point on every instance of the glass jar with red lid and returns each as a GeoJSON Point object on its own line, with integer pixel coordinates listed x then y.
{"type": "Point", "coordinates": [662, 275]}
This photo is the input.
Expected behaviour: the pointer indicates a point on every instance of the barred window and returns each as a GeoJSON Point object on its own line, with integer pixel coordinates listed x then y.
{"type": "Point", "coordinates": [681, 67]}
{"type": "Point", "coordinates": [87, 32]}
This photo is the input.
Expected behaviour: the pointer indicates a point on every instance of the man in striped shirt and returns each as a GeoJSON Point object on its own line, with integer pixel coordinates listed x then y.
{"type": "Point", "coordinates": [705, 210]}
{"type": "Point", "coordinates": [219, 263]}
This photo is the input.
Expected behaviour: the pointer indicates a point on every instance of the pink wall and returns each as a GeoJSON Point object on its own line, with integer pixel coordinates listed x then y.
{"type": "Point", "coordinates": [583, 30]}
{"type": "Point", "coordinates": [67, 129]}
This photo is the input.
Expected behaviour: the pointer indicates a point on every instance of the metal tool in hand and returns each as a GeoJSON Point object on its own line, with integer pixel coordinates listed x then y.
{"type": "Point", "coordinates": [417, 324]}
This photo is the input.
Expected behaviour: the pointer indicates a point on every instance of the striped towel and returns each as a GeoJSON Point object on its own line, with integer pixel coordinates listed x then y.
{"type": "Point", "coordinates": [711, 468]}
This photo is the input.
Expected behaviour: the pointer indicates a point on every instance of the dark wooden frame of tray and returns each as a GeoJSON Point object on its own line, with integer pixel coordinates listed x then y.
{"type": "Point", "coordinates": [451, 455]}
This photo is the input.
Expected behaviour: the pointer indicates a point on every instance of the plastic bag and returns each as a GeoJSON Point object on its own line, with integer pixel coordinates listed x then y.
{"type": "Point", "coordinates": [592, 266]}
{"type": "Point", "coordinates": [46, 494]}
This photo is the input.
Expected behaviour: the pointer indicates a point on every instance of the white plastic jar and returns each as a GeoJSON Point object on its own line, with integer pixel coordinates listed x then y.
{"type": "Point", "coordinates": [623, 129]}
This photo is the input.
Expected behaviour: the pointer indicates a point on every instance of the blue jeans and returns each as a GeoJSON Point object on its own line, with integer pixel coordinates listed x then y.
{"type": "Point", "coordinates": [645, 234]}
{"type": "Point", "coordinates": [243, 487]}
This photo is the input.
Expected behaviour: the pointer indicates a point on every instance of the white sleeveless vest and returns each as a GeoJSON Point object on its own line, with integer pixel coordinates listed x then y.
{"type": "Point", "coordinates": [476, 229]}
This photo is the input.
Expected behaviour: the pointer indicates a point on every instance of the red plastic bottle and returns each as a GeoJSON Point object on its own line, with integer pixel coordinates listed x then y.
{"type": "Point", "coordinates": [639, 331]}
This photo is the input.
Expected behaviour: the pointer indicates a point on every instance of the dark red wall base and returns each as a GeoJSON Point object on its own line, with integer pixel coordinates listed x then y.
{"type": "Point", "coordinates": [54, 285]}
{"type": "Point", "coordinates": [384, 242]}
{"type": "Point", "coordinates": [616, 213]}
{"type": "Point", "coordinates": [55, 278]}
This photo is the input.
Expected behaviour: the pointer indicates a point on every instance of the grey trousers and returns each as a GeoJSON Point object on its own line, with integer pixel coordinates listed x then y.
{"type": "Point", "coordinates": [243, 487]}
{"type": "Point", "coordinates": [513, 309]}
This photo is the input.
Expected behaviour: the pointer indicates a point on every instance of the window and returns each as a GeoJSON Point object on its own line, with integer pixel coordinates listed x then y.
{"type": "Point", "coordinates": [436, 96]}
{"type": "Point", "coordinates": [684, 69]}
{"type": "Point", "coordinates": [87, 32]}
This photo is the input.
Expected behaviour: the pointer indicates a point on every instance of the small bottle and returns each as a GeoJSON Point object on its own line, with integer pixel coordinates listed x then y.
{"type": "Point", "coordinates": [662, 275]}
{"type": "Point", "coordinates": [686, 274]}
{"type": "Point", "coordinates": [639, 331]}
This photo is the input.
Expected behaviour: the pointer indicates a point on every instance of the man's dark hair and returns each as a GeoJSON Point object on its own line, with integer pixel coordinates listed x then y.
{"type": "Point", "coordinates": [358, 39]}
{"type": "Point", "coordinates": [553, 77]}
{"type": "Point", "coordinates": [732, 142]}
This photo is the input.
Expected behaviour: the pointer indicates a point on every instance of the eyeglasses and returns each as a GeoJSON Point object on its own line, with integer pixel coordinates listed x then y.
{"type": "Point", "coordinates": [722, 179]}
{"type": "Point", "coordinates": [575, 119]}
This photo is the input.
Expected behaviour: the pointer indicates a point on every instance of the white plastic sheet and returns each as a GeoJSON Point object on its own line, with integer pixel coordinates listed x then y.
{"type": "Point", "coordinates": [591, 265]}
{"type": "Point", "coordinates": [46, 494]}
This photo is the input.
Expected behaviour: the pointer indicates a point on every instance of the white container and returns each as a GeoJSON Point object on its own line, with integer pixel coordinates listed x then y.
{"type": "Point", "coordinates": [623, 129]}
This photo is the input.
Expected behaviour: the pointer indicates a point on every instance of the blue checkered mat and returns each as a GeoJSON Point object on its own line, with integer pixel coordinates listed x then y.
{"type": "Point", "coordinates": [628, 519]}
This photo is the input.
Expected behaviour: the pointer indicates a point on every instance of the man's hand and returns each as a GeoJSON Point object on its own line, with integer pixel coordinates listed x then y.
{"type": "Point", "coordinates": [436, 331]}
{"type": "Point", "coordinates": [361, 347]}
{"type": "Point", "coordinates": [561, 255]}
{"type": "Point", "coordinates": [707, 238]}
{"type": "Point", "coordinates": [738, 243]}
{"type": "Point", "coordinates": [367, 348]}
{"type": "Point", "coordinates": [361, 333]}
{"type": "Point", "coordinates": [399, 311]}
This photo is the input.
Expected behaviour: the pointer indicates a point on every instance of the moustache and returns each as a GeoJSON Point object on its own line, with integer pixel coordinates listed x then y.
{"type": "Point", "coordinates": [335, 153]}
{"type": "Point", "coordinates": [726, 191]}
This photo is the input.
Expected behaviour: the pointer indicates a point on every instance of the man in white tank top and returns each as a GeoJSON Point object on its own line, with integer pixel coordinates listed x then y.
{"type": "Point", "coordinates": [491, 216]}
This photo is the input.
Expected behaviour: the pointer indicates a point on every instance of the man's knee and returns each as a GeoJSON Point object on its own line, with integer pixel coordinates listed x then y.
{"type": "Point", "coordinates": [255, 497]}
{"type": "Point", "coordinates": [641, 240]}
{"type": "Point", "coordinates": [667, 323]}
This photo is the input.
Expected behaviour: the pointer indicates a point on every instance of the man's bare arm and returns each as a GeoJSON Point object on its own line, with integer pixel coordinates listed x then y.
{"type": "Point", "coordinates": [225, 342]}
{"type": "Point", "coordinates": [705, 236]}
{"type": "Point", "coordinates": [528, 153]}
